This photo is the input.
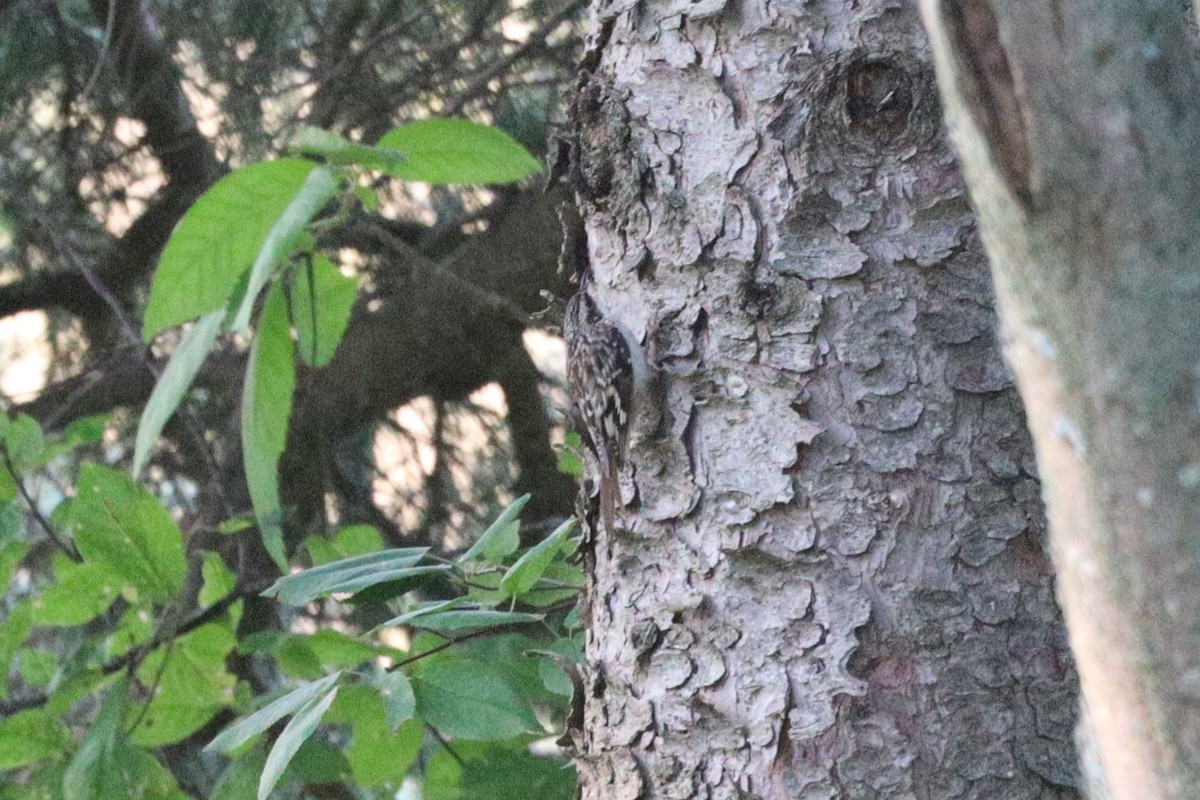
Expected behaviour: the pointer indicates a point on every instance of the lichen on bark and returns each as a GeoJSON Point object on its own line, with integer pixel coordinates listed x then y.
{"type": "Point", "coordinates": [830, 579]}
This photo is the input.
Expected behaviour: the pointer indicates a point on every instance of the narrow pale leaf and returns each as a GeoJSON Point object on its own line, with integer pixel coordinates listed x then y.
{"type": "Point", "coordinates": [461, 619]}
{"type": "Point", "coordinates": [80, 779]}
{"type": "Point", "coordinates": [217, 239]}
{"type": "Point", "coordinates": [173, 385]}
{"type": "Point", "coordinates": [318, 187]}
{"type": "Point", "coordinates": [398, 701]}
{"type": "Point", "coordinates": [497, 530]}
{"type": "Point", "coordinates": [336, 149]}
{"type": "Point", "coordinates": [241, 732]}
{"type": "Point", "coordinates": [303, 587]}
{"type": "Point", "coordinates": [298, 729]}
{"type": "Point", "coordinates": [442, 151]}
{"type": "Point", "coordinates": [266, 409]}
{"type": "Point", "coordinates": [522, 575]}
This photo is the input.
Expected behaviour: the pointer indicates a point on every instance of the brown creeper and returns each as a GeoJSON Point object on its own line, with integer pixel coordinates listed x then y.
{"type": "Point", "coordinates": [606, 372]}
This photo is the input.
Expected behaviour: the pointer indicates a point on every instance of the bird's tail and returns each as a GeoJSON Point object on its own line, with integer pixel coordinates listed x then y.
{"type": "Point", "coordinates": [610, 493]}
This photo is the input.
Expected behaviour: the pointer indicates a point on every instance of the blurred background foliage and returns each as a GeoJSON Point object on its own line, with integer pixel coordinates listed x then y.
{"type": "Point", "coordinates": [440, 406]}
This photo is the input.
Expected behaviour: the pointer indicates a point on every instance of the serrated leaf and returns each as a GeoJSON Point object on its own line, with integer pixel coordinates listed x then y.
{"type": "Point", "coordinates": [173, 385]}
{"type": "Point", "coordinates": [266, 409]}
{"type": "Point", "coordinates": [30, 736]}
{"type": "Point", "coordinates": [496, 539]}
{"type": "Point", "coordinates": [193, 686]}
{"type": "Point", "coordinates": [241, 732]}
{"type": "Point", "coordinates": [522, 575]}
{"type": "Point", "coordinates": [312, 196]}
{"type": "Point", "coordinates": [80, 592]}
{"type": "Point", "coordinates": [470, 700]}
{"type": "Point", "coordinates": [217, 239]}
{"type": "Point", "coordinates": [298, 729]}
{"type": "Point", "coordinates": [399, 704]}
{"type": "Point", "coordinates": [336, 149]}
{"type": "Point", "coordinates": [119, 525]}
{"type": "Point", "coordinates": [442, 151]}
{"type": "Point", "coordinates": [357, 572]}
{"type": "Point", "coordinates": [322, 299]}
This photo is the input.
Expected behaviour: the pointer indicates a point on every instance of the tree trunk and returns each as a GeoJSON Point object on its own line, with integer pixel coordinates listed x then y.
{"type": "Point", "coordinates": [1078, 125]}
{"type": "Point", "coordinates": [828, 578]}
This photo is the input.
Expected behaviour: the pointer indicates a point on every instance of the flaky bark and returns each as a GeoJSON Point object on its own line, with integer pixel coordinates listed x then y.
{"type": "Point", "coordinates": [833, 582]}
{"type": "Point", "coordinates": [1078, 126]}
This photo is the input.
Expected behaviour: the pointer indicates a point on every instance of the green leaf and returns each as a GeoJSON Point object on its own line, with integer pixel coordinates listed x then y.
{"type": "Point", "coordinates": [569, 460]}
{"type": "Point", "coordinates": [441, 151]}
{"type": "Point", "coordinates": [357, 540]}
{"type": "Point", "coordinates": [235, 525]}
{"type": "Point", "coordinates": [37, 667]}
{"type": "Point", "coordinates": [356, 572]}
{"type": "Point", "coordinates": [399, 704]}
{"type": "Point", "coordinates": [241, 732]}
{"type": "Point", "coordinates": [266, 409]}
{"type": "Point", "coordinates": [322, 299]}
{"type": "Point", "coordinates": [377, 755]}
{"type": "Point", "coordinates": [219, 580]}
{"type": "Point", "coordinates": [133, 773]}
{"type": "Point", "coordinates": [500, 539]}
{"type": "Point", "coordinates": [11, 553]}
{"type": "Point", "coordinates": [318, 188]}
{"type": "Point", "coordinates": [29, 736]}
{"type": "Point", "coordinates": [517, 775]}
{"type": "Point", "coordinates": [25, 442]}
{"type": "Point", "coordinates": [470, 700]}
{"type": "Point", "coordinates": [80, 592]}
{"type": "Point", "coordinates": [12, 516]}
{"type": "Point", "coordinates": [421, 610]}
{"type": "Point", "coordinates": [97, 746]}
{"type": "Point", "coordinates": [192, 686]}
{"type": "Point", "coordinates": [86, 430]}
{"type": "Point", "coordinates": [241, 776]}
{"type": "Point", "coordinates": [135, 627]}
{"type": "Point", "coordinates": [173, 385]}
{"type": "Point", "coordinates": [318, 761]}
{"type": "Point", "coordinates": [296, 659]}
{"type": "Point", "coordinates": [13, 633]}
{"type": "Point", "coordinates": [522, 575]}
{"type": "Point", "coordinates": [336, 649]}
{"type": "Point", "coordinates": [298, 729]}
{"type": "Point", "coordinates": [120, 526]}
{"type": "Point", "coordinates": [335, 149]}
{"type": "Point", "coordinates": [217, 239]}
{"type": "Point", "coordinates": [460, 619]}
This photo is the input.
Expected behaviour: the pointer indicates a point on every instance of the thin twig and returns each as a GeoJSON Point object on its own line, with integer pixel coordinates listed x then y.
{"type": "Point", "coordinates": [109, 26]}
{"type": "Point", "coordinates": [61, 544]}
